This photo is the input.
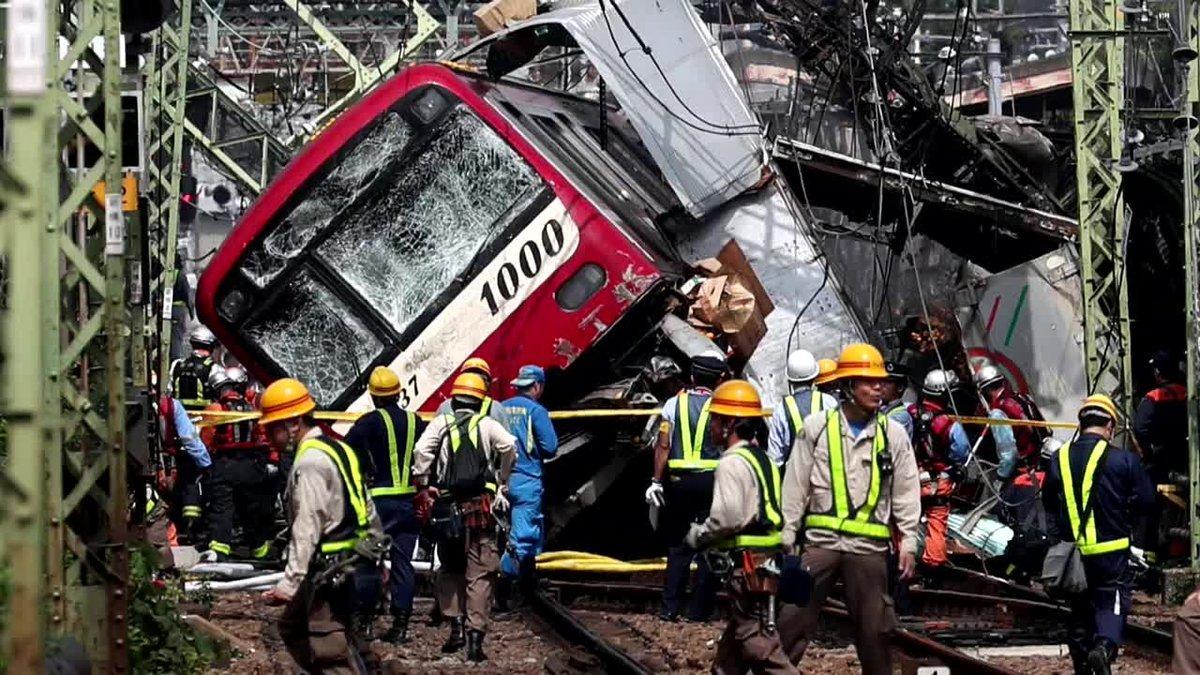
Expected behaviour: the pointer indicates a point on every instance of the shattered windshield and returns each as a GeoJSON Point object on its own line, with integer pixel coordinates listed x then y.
{"type": "Point", "coordinates": [308, 332]}
{"type": "Point", "coordinates": [419, 225]}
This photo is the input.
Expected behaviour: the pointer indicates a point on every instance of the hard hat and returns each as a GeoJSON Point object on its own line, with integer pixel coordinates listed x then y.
{"type": "Point", "coordinates": [477, 365]}
{"type": "Point", "coordinates": [897, 371]}
{"type": "Point", "coordinates": [802, 366]}
{"type": "Point", "coordinates": [285, 399]}
{"type": "Point", "coordinates": [201, 336]}
{"type": "Point", "coordinates": [237, 375]}
{"type": "Point", "coordinates": [218, 377]}
{"type": "Point", "coordinates": [826, 371]}
{"type": "Point", "coordinates": [987, 376]}
{"type": "Point", "coordinates": [383, 382]}
{"type": "Point", "coordinates": [940, 382]}
{"type": "Point", "coordinates": [470, 385]}
{"type": "Point", "coordinates": [860, 360]}
{"type": "Point", "coordinates": [1050, 446]}
{"type": "Point", "coordinates": [736, 398]}
{"type": "Point", "coordinates": [1099, 403]}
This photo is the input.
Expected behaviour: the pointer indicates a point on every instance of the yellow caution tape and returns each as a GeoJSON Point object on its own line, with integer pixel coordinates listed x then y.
{"type": "Point", "coordinates": [1004, 422]}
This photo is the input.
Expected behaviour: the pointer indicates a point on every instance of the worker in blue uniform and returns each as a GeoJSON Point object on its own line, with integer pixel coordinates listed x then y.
{"type": "Point", "coordinates": [1093, 492]}
{"type": "Point", "coordinates": [529, 422]}
{"type": "Point", "coordinates": [384, 441]}
{"type": "Point", "coordinates": [682, 487]}
{"type": "Point", "coordinates": [1160, 421]}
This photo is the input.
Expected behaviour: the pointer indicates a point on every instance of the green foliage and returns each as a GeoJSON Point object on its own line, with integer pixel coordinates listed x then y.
{"type": "Point", "coordinates": [159, 640]}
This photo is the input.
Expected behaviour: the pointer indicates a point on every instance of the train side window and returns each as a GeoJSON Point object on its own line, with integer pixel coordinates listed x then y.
{"type": "Point", "coordinates": [583, 284]}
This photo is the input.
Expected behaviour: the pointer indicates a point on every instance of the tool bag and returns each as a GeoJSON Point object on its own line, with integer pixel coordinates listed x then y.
{"type": "Point", "coordinates": [445, 520]}
{"type": "Point", "coordinates": [1063, 572]}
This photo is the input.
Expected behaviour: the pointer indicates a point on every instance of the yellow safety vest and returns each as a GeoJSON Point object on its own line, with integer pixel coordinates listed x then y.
{"type": "Point", "coordinates": [839, 519]}
{"type": "Point", "coordinates": [1085, 535]}
{"type": "Point", "coordinates": [356, 520]}
{"type": "Point", "coordinates": [472, 436]}
{"type": "Point", "coordinates": [691, 440]}
{"type": "Point", "coordinates": [815, 404]}
{"type": "Point", "coordinates": [766, 532]}
{"type": "Point", "coordinates": [400, 467]}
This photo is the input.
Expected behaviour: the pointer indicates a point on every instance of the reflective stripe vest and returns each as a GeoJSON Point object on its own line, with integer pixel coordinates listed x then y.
{"type": "Point", "coordinates": [453, 429]}
{"type": "Point", "coordinates": [816, 404]}
{"type": "Point", "coordinates": [689, 438]}
{"type": "Point", "coordinates": [356, 517]}
{"type": "Point", "coordinates": [766, 531]}
{"type": "Point", "coordinates": [1085, 533]}
{"type": "Point", "coordinates": [237, 435]}
{"type": "Point", "coordinates": [861, 523]}
{"type": "Point", "coordinates": [400, 466]}
{"type": "Point", "coordinates": [189, 381]}
{"type": "Point", "coordinates": [485, 408]}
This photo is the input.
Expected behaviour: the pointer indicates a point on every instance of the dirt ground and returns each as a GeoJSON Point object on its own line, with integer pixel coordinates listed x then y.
{"type": "Point", "coordinates": [517, 645]}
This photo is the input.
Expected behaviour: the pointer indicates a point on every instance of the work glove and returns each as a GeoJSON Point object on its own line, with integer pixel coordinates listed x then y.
{"type": "Point", "coordinates": [500, 502]}
{"type": "Point", "coordinates": [694, 535]}
{"type": "Point", "coordinates": [654, 494]}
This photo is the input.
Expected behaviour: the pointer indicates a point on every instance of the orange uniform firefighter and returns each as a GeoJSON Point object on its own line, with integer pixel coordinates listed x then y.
{"type": "Point", "coordinates": [942, 447]}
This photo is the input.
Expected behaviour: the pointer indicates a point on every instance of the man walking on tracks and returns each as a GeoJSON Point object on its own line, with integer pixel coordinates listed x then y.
{"type": "Point", "coordinates": [463, 460]}
{"type": "Point", "coordinates": [744, 523]}
{"type": "Point", "coordinates": [852, 473]}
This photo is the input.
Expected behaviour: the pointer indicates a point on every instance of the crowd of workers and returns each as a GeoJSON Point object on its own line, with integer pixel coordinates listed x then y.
{"type": "Point", "coordinates": [844, 480]}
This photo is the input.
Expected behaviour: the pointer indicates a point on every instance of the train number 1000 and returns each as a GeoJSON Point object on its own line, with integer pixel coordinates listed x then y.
{"type": "Point", "coordinates": [530, 258]}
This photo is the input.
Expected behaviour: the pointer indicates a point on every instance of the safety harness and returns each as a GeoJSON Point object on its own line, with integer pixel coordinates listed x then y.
{"type": "Point", "coordinates": [766, 531]}
{"type": "Point", "coordinates": [687, 452]}
{"type": "Point", "coordinates": [400, 466]}
{"type": "Point", "coordinates": [839, 519]}
{"type": "Point", "coordinates": [356, 518]}
{"type": "Point", "coordinates": [1085, 533]}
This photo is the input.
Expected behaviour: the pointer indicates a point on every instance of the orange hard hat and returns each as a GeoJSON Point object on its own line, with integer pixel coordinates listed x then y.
{"type": "Point", "coordinates": [826, 371]}
{"type": "Point", "coordinates": [860, 360]}
{"type": "Point", "coordinates": [736, 398]}
{"type": "Point", "coordinates": [1099, 403]}
{"type": "Point", "coordinates": [476, 364]}
{"type": "Point", "coordinates": [384, 382]}
{"type": "Point", "coordinates": [470, 385]}
{"type": "Point", "coordinates": [285, 399]}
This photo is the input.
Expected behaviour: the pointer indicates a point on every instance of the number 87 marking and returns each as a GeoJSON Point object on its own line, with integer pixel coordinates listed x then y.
{"type": "Point", "coordinates": [405, 396]}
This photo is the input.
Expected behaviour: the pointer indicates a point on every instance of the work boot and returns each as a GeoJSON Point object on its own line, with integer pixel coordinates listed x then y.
{"type": "Point", "coordinates": [475, 646]}
{"type": "Point", "coordinates": [455, 641]}
{"type": "Point", "coordinates": [1100, 659]}
{"type": "Point", "coordinates": [398, 633]}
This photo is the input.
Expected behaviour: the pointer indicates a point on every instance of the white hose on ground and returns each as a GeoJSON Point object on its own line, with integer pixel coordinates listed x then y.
{"type": "Point", "coordinates": [263, 580]}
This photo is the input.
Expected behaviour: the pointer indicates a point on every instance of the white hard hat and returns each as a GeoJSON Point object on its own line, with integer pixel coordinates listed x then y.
{"type": "Point", "coordinates": [201, 336]}
{"type": "Point", "coordinates": [802, 366]}
{"type": "Point", "coordinates": [237, 375]}
{"type": "Point", "coordinates": [988, 375]}
{"type": "Point", "coordinates": [940, 382]}
{"type": "Point", "coordinates": [218, 377]}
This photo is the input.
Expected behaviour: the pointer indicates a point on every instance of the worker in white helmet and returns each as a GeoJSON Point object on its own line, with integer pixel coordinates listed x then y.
{"type": "Point", "coordinates": [790, 411]}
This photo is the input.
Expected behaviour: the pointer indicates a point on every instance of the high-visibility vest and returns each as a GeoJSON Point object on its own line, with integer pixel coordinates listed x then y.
{"type": "Point", "coordinates": [1085, 534]}
{"type": "Point", "coordinates": [816, 403]}
{"type": "Point", "coordinates": [688, 438]}
{"type": "Point", "coordinates": [472, 437]}
{"type": "Point", "coordinates": [861, 523]}
{"type": "Point", "coordinates": [400, 465]}
{"type": "Point", "coordinates": [189, 381]}
{"type": "Point", "coordinates": [766, 530]}
{"type": "Point", "coordinates": [356, 517]}
{"type": "Point", "coordinates": [485, 408]}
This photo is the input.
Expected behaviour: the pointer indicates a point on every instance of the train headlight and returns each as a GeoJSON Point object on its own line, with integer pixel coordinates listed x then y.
{"type": "Point", "coordinates": [232, 306]}
{"type": "Point", "coordinates": [429, 105]}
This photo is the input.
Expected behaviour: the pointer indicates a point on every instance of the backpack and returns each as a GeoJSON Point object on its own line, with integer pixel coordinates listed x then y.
{"type": "Point", "coordinates": [468, 471]}
{"type": "Point", "coordinates": [1032, 413]}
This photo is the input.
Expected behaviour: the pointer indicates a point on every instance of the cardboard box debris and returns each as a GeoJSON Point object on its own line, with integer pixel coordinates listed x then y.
{"type": "Point", "coordinates": [499, 14]}
{"type": "Point", "coordinates": [731, 303]}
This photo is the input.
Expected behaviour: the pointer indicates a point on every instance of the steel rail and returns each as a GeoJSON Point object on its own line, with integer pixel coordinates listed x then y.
{"type": "Point", "coordinates": [561, 619]}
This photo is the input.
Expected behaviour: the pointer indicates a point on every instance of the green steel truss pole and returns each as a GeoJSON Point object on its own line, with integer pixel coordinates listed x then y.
{"type": "Point", "coordinates": [1097, 62]}
{"type": "Point", "coordinates": [166, 80]}
{"type": "Point", "coordinates": [1190, 19]}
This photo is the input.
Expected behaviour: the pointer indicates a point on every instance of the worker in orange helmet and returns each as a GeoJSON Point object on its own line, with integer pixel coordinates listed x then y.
{"type": "Point", "coordinates": [462, 461]}
{"type": "Point", "coordinates": [826, 377]}
{"type": "Point", "coordinates": [851, 475]}
{"type": "Point", "coordinates": [479, 367]}
{"type": "Point", "coordinates": [744, 521]}
{"type": "Point", "coordinates": [336, 545]}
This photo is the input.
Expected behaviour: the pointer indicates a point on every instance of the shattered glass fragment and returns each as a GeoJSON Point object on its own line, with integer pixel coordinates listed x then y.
{"type": "Point", "coordinates": [421, 224]}
{"type": "Point", "coordinates": [383, 144]}
{"type": "Point", "coordinates": [309, 334]}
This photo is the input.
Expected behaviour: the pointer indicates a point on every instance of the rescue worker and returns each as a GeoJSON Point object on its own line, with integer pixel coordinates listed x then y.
{"type": "Point", "coordinates": [529, 422]}
{"type": "Point", "coordinates": [182, 485]}
{"type": "Point", "coordinates": [384, 441]}
{"type": "Point", "coordinates": [1093, 492]}
{"type": "Point", "coordinates": [334, 532]}
{"type": "Point", "coordinates": [190, 375]}
{"type": "Point", "coordinates": [684, 460]}
{"type": "Point", "coordinates": [456, 449]}
{"type": "Point", "coordinates": [1001, 401]}
{"type": "Point", "coordinates": [240, 488]}
{"type": "Point", "coordinates": [804, 400]}
{"type": "Point", "coordinates": [489, 408]}
{"type": "Point", "coordinates": [826, 377]}
{"type": "Point", "coordinates": [852, 472]}
{"type": "Point", "coordinates": [745, 522]}
{"type": "Point", "coordinates": [893, 395]}
{"type": "Point", "coordinates": [942, 448]}
{"type": "Point", "coordinates": [1186, 658]}
{"type": "Point", "coordinates": [1160, 421]}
